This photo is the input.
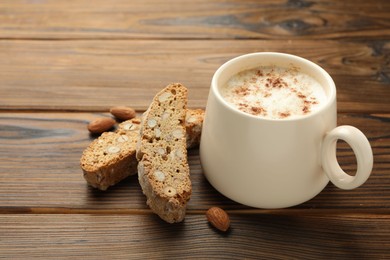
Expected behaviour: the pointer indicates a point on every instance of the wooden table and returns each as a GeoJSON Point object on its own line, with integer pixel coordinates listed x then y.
{"type": "Point", "coordinates": [64, 63]}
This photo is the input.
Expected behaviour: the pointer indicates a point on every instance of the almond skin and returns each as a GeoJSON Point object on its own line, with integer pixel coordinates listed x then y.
{"type": "Point", "coordinates": [101, 125]}
{"type": "Point", "coordinates": [123, 113]}
{"type": "Point", "coordinates": [218, 218]}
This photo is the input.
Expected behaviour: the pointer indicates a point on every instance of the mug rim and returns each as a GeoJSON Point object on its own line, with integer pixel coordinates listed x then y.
{"type": "Point", "coordinates": [322, 72]}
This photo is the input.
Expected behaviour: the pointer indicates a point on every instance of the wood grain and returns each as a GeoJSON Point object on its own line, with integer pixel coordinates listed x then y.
{"type": "Point", "coordinates": [40, 170]}
{"type": "Point", "coordinates": [147, 237]}
{"type": "Point", "coordinates": [95, 75]}
{"type": "Point", "coordinates": [66, 62]}
{"type": "Point", "coordinates": [202, 19]}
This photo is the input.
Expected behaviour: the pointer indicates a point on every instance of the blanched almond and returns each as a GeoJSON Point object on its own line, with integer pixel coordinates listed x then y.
{"type": "Point", "coordinates": [159, 176]}
{"type": "Point", "coordinates": [161, 151]}
{"type": "Point", "coordinates": [179, 153]}
{"type": "Point", "coordinates": [178, 133]}
{"type": "Point", "coordinates": [165, 115]}
{"type": "Point", "coordinates": [157, 132]}
{"type": "Point", "coordinates": [122, 138]}
{"type": "Point", "coordinates": [164, 96]}
{"type": "Point", "coordinates": [113, 149]}
{"type": "Point", "coordinates": [152, 123]}
{"type": "Point", "coordinates": [130, 127]}
{"type": "Point", "coordinates": [192, 119]}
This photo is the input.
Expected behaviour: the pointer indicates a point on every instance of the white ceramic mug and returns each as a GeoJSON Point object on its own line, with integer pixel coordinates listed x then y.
{"type": "Point", "coordinates": [276, 163]}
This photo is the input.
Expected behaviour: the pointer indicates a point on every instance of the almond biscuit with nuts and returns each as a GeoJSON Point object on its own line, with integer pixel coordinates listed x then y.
{"type": "Point", "coordinates": [99, 177]}
{"type": "Point", "coordinates": [111, 157]}
{"type": "Point", "coordinates": [163, 170]}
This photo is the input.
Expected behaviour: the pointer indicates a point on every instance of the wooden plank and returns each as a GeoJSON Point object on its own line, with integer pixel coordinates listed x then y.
{"type": "Point", "coordinates": [40, 172]}
{"type": "Point", "coordinates": [147, 237]}
{"type": "Point", "coordinates": [95, 75]}
{"type": "Point", "coordinates": [217, 19]}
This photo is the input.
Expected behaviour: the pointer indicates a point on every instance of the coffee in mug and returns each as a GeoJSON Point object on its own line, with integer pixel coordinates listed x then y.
{"type": "Point", "coordinates": [274, 92]}
{"type": "Point", "coordinates": [274, 146]}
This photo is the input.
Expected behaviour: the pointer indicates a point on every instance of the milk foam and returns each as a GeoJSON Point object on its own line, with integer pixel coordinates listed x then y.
{"type": "Point", "coordinates": [274, 92]}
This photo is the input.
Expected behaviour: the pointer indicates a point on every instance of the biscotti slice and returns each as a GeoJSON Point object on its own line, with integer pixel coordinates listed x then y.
{"type": "Point", "coordinates": [194, 122]}
{"type": "Point", "coordinates": [111, 157]}
{"type": "Point", "coordinates": [163, 170]}
{"type": "Point", "coordinates": [99, 177]}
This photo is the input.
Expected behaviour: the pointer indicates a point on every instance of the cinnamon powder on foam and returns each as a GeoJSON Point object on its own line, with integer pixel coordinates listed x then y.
{"type": "Point", "coordinates": [274, 92]}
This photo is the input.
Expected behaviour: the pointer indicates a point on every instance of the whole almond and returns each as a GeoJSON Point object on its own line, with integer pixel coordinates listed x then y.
{"type": "Point", "coordinates": [218, 218]}
{"type": "Point", "coordinates": [101, 125]}
{"type": "Point", "coordinates": [123, 113]}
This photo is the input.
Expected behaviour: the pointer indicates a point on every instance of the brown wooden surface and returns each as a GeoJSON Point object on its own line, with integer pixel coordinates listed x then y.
{"type": "Point", "coordinates": [77, 75]}
{"type": "Point", "coordinates": [50, 145]}
{"type": "Point", "coordinates": [64, 63]}
{"type": "Point", "coordinates": [144, 236]}
{"type": "Point", "coordinates": [217, 19]}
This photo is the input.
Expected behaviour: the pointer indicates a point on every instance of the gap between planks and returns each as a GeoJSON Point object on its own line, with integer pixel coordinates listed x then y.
{"type": "Point", "coordinates": [287, 212]}
{"type": "Point", "coordinates": [94, 38]}
{"type": "Point", "coordinates": [141, 111]}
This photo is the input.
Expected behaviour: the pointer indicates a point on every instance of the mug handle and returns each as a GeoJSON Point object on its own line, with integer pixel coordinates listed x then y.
{"type": "Point", "coordinates": [363, 152]}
